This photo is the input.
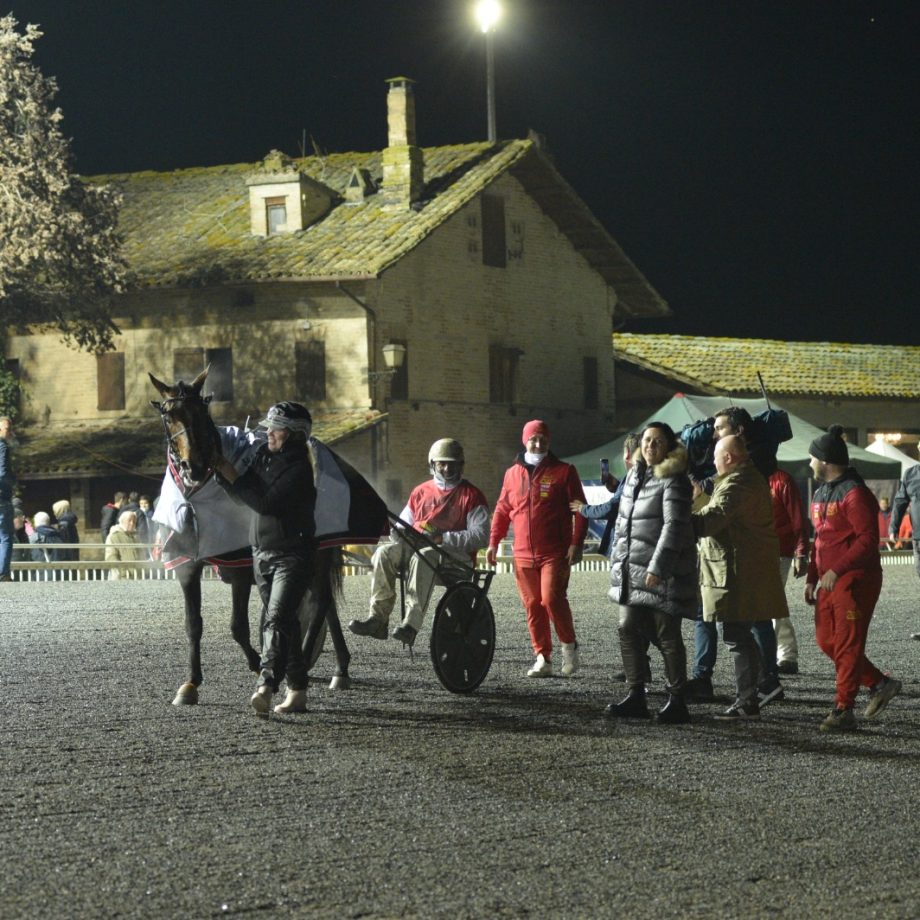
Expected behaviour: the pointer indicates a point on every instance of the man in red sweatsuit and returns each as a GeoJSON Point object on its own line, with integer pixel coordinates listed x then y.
{"type": "Point", "coordinates": [790, 522]}
{"type": "Point", "coordinates": [845, 578]}
{"type": "Point", "coordinates": [535, 498]}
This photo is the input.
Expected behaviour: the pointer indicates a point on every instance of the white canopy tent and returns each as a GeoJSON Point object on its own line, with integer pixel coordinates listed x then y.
{"type": "Point", "coordinates": [884, 449]}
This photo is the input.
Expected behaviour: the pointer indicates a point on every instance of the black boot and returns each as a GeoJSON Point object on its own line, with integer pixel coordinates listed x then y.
{"type": "Point", "coordinates": [633, 707]}
{"type": "Point", "coordinates": [675, 711]}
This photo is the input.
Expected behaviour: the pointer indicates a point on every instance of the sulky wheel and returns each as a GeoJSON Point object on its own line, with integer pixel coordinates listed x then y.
{"type": "Point", "coordinates": [463, 638]}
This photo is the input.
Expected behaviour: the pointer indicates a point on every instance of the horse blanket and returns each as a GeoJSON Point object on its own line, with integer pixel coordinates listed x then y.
{"type": "Point", "coordinates": [205, 523]}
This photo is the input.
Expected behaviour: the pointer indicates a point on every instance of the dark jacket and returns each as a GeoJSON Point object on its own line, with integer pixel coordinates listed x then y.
{"type": "Point", "coordinates": [67, 528]}
{"type": "Point", "coordinates": [279, 487]}
{"type": "Point", "coordinates": [108, 519]}
{"type": "Point", "coordinates": [908, 494]}
{"type": "Point", "coordinates": [7, 476]}
{"type": "Point", "coordinates": [654, 535]}
{"type": "Point", "coordinates": [46, 539]}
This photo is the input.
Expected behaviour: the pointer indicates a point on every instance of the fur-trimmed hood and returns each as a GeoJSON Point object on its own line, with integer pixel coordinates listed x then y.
{"type": "Point", "coordinates": [674, 464]}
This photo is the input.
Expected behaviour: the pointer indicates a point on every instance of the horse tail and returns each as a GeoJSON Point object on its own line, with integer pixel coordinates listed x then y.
{"type": "Point", "coordinates": [335, 569]}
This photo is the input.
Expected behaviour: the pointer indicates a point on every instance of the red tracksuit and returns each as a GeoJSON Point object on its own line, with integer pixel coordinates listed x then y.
{"type": "Point", "coordinates": [788, 514]}
{"type": "Point", "coordinates": [845, 517]}
{"type": "Point", "coordinates": [537, 505]}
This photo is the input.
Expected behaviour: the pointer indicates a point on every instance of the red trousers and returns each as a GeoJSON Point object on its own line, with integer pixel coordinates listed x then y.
{"type": "Point", "coordinates": [841, 625]}
{"type": "Point", "coordinates": [542, 587]}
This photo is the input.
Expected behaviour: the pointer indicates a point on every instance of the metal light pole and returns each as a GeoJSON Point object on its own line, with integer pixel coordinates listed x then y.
{"type": "Point", "coordinates": [488, 12]}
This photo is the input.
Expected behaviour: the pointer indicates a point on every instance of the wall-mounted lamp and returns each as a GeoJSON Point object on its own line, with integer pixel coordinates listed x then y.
{"type": "Point", "coordinates": [394, 355]}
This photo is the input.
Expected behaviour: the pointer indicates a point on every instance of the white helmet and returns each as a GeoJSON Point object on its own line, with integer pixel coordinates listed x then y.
{"type": "Point", "coordinates": [446, 449]}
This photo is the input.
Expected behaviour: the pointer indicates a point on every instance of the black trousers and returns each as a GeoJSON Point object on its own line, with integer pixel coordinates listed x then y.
{"type": "Point", "coordinates": [642, 626]}
{"type": "Point", "coordinates": [282, 579]}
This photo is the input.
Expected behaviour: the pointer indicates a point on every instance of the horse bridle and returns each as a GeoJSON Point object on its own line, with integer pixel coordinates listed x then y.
{"type": "Point", "coordinates": [164, 409]}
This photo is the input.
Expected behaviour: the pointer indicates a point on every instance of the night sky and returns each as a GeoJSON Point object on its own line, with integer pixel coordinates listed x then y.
{"type": "Point", "coordinates": [756, 160]}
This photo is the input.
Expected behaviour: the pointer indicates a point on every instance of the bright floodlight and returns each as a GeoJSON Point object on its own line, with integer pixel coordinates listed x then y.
{"type": "Point", "coordinates": [488, 12]}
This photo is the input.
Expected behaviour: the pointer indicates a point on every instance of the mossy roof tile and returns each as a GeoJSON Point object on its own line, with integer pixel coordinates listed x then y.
{"type": "Point", "coordinates": [730, 366]}
{"type": "Point", "coordinates": [191, 226]}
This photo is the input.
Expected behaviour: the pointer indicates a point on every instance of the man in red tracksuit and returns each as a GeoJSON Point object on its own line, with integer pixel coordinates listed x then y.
{"type": "Point", "coordinates": [790, 522]}
{"type": "Point", "coordinates": [535, 499]}
{"type": "Point", "coordinates": [845, 578]}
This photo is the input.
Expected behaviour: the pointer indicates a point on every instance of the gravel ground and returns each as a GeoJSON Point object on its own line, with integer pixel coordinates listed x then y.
{"type": "Point", "coordinates": [397, 799]}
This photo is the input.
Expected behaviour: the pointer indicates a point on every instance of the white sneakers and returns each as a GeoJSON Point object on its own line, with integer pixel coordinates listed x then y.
{"type": "Point", "coordinates": [542, 667]}
{"type": "Point", "coordinates": [295, 701]}
{"type": "Point", "coordinates": [261, 701]}
{"type": "Point", "coordinates": [569, 658]}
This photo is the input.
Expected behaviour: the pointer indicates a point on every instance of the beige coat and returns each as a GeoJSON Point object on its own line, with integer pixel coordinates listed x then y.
{"type": "Point", "coordinates": [739, 550]}
{"type": "Point", "coordinates": [120, 544]}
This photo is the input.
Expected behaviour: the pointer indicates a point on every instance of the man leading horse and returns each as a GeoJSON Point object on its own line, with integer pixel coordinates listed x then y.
{"type": "Point", "coordinates": [279, 487]}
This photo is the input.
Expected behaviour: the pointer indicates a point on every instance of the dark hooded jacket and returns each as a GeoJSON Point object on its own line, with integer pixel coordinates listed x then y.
{"type": "Point", "coordinates": [280, 488]}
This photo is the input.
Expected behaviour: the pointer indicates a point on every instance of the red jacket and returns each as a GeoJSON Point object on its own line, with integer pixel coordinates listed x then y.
{"type": "Point", "coordinates": [788, 514]}
{"type": "Point", "coordinates": [537, 506]}
{"type": "Point", "coordinates": [845, 517]}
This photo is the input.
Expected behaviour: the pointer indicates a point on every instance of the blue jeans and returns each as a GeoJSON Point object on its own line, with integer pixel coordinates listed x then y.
{"type": "Point", "coordinates": [6, 537]}
{"type": "Point", "coordinates": [705, 648]}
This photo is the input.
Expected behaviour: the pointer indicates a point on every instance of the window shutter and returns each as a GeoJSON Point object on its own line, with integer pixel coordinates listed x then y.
{"type": "Point", "coordinates": [110, 380]}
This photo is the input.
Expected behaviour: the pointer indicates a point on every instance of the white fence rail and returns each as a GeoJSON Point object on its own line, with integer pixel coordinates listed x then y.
{"type": "Point", "coordinates": [93, 567]}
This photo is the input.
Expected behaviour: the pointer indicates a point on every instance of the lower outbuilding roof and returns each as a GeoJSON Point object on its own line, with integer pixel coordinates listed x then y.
{"type": "Point", "coordinates": [86, 451]}
{"type": "Point", "coordinates": [730, 366]}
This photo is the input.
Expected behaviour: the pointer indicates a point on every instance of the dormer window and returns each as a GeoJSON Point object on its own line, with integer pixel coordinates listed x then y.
{"type": "Point", "coordinates": [276, 214]}
{"type": "Point", "coordinates": [282, 199]}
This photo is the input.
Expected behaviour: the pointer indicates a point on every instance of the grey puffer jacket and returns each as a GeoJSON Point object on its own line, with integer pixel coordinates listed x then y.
{"type": "Point", "coordinates": [655, 534]}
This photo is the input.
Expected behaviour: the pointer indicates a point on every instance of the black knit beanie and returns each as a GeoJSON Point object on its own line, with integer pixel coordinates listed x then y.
{"type": "Point", "coordinates": [830, 447]}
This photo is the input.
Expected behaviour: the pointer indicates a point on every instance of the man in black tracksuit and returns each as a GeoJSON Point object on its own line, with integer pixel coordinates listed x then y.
{"type": "Point", "coordinates": [279, 487]}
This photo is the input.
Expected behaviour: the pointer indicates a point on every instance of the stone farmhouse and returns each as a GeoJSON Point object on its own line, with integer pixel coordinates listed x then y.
{"type": "Point", "coordinates": [869, 389]}
{"type": "Point", "coordinates": [477, 265]}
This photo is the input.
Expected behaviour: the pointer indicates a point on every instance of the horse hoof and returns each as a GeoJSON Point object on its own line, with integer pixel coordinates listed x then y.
{"type": "Point", "coordinates": [187, 695]}
{"type": "Point", "coordinates": [340, 682]}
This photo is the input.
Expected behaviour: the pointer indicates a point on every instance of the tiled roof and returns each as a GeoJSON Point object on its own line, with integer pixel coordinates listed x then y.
{"type": "Point", "coordinates": [730, 366]}
{"type": "Point", "coordinates": [191, 226]}
{"type": "Point", "coordinates": [137, 449]}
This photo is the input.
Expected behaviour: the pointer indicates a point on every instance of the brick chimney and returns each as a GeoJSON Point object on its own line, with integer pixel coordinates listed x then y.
{"type": "Point", "coordinates": [403, 165]}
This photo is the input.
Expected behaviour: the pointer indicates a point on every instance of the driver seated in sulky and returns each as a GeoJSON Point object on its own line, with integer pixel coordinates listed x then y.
{"type": "Point", "coordinates": [454, 515]}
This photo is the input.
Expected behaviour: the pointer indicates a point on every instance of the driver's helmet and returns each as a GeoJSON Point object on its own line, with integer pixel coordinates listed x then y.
{"type": "Point", "coordinates": [445, 449]}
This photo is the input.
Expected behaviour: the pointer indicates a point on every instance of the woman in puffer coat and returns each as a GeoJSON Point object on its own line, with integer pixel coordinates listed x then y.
{"type": "Point", "coordinates": [654, 578]}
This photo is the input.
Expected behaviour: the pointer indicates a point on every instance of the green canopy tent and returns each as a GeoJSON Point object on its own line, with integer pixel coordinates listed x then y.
{"type": "Point", "coordinates": [792, 456]}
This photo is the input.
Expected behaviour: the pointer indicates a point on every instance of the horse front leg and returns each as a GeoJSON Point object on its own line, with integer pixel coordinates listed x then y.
{"type": "Point", "coordinates": [189, 577]}
{"type": "Point", "coordinates": [241, 589]}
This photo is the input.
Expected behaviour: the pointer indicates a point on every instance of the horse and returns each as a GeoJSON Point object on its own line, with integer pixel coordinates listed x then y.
{"type": "Point", "coordinates": [192, 510]}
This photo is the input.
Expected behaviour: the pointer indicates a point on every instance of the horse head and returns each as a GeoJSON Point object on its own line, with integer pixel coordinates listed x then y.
{"type": "Point", "coordinates": [190, 433]}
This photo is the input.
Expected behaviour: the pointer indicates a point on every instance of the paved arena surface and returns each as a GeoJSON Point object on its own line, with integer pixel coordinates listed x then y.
{"type": "Point", "coordinates": [397, 799]}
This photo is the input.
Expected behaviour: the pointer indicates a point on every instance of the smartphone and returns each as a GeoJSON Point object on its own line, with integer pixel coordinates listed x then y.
{"type": "Point", "coordinates": [605, 469]}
